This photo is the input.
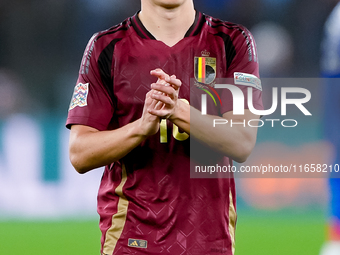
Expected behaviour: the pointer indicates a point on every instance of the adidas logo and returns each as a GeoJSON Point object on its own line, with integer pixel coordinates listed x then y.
{"type": "Point", "coordinates": [137, 243]}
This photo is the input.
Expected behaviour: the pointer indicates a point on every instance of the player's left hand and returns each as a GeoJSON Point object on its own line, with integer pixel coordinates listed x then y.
{"type": "Point", "coordinates": [166, 91]}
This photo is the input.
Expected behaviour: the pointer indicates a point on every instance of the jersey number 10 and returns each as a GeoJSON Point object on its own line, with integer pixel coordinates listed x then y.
{"type": "Point", "coordinates": [180, 136]}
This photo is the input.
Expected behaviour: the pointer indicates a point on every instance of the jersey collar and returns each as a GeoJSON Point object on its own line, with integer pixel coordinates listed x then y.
{"type": "Point", "coordinates": [145, 34]}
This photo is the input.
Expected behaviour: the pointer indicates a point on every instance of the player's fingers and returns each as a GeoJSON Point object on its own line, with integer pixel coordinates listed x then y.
{"type": "Point", "coordinates": [159, 88]}
{"type": "Point", "coordinates": [150, 102]}
{"type": "Point", "coordinates": [148, 97]}
{"type": "Point", "coordinates": [165, 90]}
{"type": "Point", "coordinates": [174, 82]}
{"type": "Point", "coordinates": [153, 103]}
{"type": "Point", "coordinates": [164, 99]}
{"type": "Point", "coordinates": [163, 82]}
{"type": "Point", "coordinates": [160, 74]}
{"type": "Point", "coordinates": [159, 105]}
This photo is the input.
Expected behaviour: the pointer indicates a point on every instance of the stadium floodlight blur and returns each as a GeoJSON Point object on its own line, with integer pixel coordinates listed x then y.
{"type": "Point", "coordinates": [275, 49]}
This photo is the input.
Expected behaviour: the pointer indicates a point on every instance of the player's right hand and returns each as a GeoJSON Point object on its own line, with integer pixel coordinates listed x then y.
{"type": "Point", "coordinates": [149, 124]}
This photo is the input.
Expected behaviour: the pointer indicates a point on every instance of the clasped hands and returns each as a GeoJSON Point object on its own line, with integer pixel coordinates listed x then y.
{"type": "Point", "coordinates": [164, 94]}
{"type": "Point", "coordinates": [161, 102]}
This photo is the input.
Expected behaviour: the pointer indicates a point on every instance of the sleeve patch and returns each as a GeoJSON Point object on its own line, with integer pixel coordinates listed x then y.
{"type": "Point", "coordinates": [247, 80]}
{"type": "Point", "coordinates": [79, 97]}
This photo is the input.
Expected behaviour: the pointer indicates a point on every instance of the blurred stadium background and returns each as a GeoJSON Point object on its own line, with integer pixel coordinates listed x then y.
{"type": "Point", "coordinates": [47, 208]}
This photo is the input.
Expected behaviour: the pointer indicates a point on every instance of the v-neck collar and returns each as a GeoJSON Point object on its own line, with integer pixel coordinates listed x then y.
{"type": "Point", "coordinates": [194, 29]}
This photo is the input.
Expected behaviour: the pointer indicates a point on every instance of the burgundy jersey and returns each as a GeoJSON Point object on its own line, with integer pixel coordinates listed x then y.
{"type": "Point", "coordinates": [147, 202]}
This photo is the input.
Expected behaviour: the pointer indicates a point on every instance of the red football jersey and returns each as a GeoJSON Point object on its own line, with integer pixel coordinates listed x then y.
{"type": "Point", "coordinates": [147, 202]}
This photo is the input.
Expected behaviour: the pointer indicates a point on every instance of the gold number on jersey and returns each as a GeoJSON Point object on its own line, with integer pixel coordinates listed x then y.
{"type": "Point", "coordinates": [163, 129]}
{"type": "Point", "coordinates": [180, 136]}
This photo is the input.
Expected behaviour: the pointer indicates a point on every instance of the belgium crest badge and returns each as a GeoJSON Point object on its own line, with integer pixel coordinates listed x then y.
{"type": "Point", "coordinates": [205, 68]}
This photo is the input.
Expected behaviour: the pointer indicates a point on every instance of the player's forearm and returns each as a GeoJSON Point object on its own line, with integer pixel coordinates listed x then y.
{"type": "Point", "coordinates": [236, 142]}
{"type": "Point", "coordinates": [91, 148]}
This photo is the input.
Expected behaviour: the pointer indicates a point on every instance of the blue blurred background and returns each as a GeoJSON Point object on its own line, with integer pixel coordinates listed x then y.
{"type": "Point", "coordinates": [41, 45]}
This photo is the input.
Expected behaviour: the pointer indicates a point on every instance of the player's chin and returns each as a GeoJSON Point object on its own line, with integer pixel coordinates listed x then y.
{"type": "Point", "coordinates": [170, 4]}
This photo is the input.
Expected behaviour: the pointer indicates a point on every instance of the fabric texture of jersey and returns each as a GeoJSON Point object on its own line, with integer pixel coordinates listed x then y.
{"type": "Point", "coordinates": [147, 202]}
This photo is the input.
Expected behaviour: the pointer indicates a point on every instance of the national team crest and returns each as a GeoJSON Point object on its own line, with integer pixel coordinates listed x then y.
{"type": "Point", "coordinates": [205, 69]}
{"type": "Point", "coordinates": [80, 94]}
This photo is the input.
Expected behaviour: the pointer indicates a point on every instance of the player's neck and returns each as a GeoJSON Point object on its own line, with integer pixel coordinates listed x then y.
{"type": "Point", "coordinates": [168, 25]}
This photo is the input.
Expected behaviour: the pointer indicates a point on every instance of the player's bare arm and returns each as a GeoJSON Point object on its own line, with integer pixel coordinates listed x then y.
{"type": "Point", "coordinates": [236, 142]}
{"type": "Point", "coordinates": [90, 148]}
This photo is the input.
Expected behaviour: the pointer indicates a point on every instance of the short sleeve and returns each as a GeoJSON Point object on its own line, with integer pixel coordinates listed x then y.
{"type": "Point", "coordinates": [91, 103]}
{"type": "Point", "coordinates": [243, 71]}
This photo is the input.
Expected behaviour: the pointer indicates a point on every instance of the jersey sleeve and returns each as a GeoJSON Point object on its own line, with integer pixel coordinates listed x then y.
{"type": "Point", "coordinates": [243, 71]}
{"type": "Point", "coordinates": [91, 103]}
